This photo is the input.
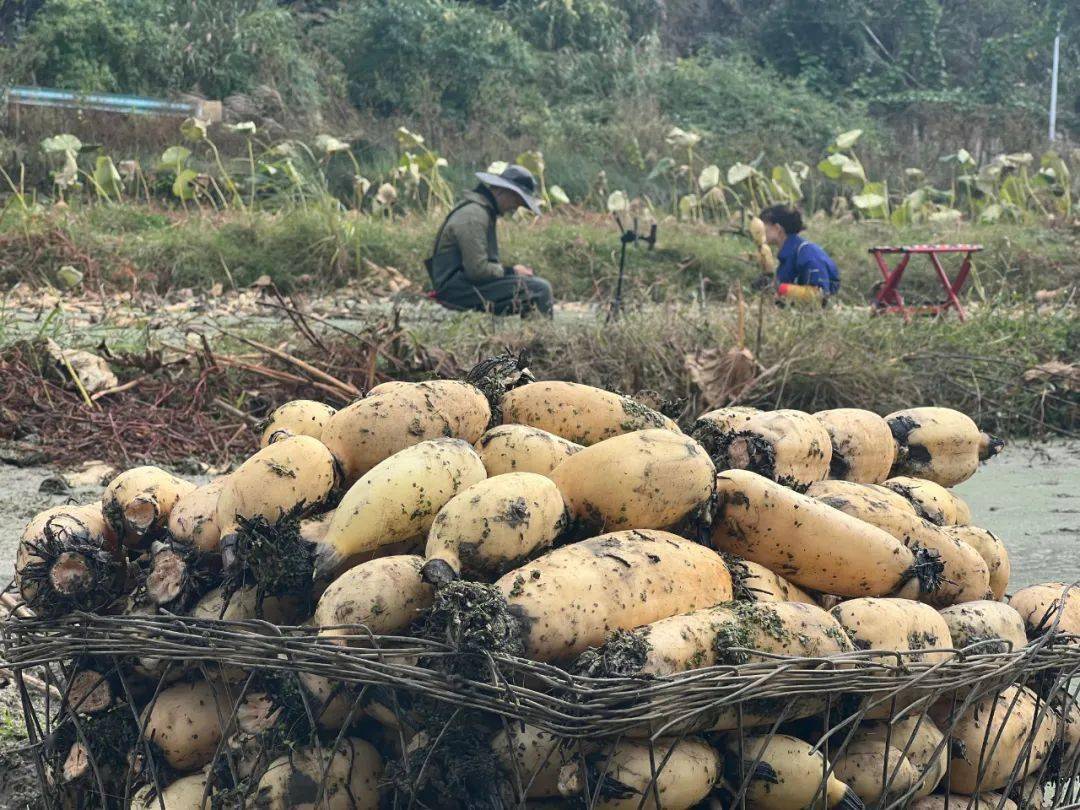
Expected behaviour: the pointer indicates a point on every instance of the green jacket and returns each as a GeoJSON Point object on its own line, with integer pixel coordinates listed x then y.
{"type": "Point", "coordinates": [468, 243]}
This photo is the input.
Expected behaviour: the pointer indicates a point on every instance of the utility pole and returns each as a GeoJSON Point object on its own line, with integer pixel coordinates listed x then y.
{"type": "Point", "coordinates": [1054, 84]}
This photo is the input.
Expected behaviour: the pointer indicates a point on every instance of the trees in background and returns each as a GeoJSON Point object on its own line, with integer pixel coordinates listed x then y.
{"type": "Point", "coordinates": [779, 77]}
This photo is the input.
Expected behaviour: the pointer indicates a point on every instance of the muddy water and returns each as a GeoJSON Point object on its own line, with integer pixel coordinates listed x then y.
{"type": "Point", "coordinates": [1030, 497]}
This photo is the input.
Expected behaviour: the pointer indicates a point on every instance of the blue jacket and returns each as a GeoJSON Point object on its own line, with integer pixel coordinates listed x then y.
{"type": "Point", "coordinates": [803, 262]}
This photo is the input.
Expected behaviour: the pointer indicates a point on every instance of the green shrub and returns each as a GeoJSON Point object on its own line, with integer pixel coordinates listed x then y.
{"type": "Point", "coordinates": [100, 45]}
{"type": "Point", "coordinates": [231, 46]}
{"type": "Point", "coordinates": [746, 108]}
{"type": "Point", "coordinates": [585, 25]}
{"type": "Point", "coordinates": [158, 47]}
{"type": "Point", "coordinates": [427, 57]}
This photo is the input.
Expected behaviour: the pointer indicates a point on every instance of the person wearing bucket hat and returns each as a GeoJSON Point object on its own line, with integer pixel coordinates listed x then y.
{"type": "Point", "coordinates": [465, 269]}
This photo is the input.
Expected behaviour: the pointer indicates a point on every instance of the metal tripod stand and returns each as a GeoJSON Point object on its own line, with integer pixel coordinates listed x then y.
{"type": "Point", "coordinates": [626, 237]}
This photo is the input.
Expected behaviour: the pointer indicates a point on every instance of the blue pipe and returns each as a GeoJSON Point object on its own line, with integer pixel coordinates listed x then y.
{"type": "Point", "coordinates": [108, 102]}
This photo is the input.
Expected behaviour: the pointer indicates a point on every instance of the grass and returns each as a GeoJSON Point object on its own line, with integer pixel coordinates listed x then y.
{"type": "Point", "coordinates": [807, 359]}
{"type": "Point", "coordinates": [12, 729]}
{"type": "Point", "coordinates": [317, 245]}
{"type": "Point", "coordinates": [810, 360]}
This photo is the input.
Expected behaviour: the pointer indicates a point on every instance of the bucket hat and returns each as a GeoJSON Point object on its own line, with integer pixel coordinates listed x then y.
{"type": "Point", "coordinates": [517, 179]}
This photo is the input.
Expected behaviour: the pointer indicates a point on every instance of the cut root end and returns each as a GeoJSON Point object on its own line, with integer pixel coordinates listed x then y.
{"type": "Point", "coordinates": [257, 714]}
{"type": "Point", "coordinates": [69, 567]}
{"type": "Point", "coordinates": [166, 579]}
{"type": "Point", "coordinates": [89, 692]}
{"type": "Point", "coordinates": [180, 575]}
{"type": "Point", "coordinates": [77, 763]}
{"type": "Point", "coordinates": [140, 516]}
{"type": "Point", "coordinates": [570, 780]}
{"type": "Point", "coordinates": [95, 747]}
{"type": "Point", "coordinates": [438, 573]}
{"type": "Point", "coordinates": [66, 573]}
{"type": "Point", "coordinates": [71, 574]}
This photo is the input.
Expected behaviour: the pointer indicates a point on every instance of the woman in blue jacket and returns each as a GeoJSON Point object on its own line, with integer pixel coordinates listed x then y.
{"type": "Point", "coordinates": [801, 263]}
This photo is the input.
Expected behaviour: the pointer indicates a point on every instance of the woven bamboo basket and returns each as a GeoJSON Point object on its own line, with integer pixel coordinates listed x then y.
{"type": "Point", "coordinates": [458, 698]}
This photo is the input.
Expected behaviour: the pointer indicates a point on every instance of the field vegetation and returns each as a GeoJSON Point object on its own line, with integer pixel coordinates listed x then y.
{"type": "Point", "coordinates": [593, 84]}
